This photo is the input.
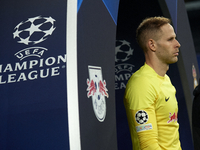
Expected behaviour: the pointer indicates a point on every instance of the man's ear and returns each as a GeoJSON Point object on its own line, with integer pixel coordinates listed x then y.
{"type": "Point", "coordinates": [152, 45]}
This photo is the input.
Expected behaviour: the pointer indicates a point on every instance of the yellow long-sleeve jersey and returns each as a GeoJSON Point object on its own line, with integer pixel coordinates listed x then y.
{"type": "Point", "coordinates": [152, 111]}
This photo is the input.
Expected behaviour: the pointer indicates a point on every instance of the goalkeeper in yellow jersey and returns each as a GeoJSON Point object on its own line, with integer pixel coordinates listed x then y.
{"type": "Point", "coordinates": [149, 99]}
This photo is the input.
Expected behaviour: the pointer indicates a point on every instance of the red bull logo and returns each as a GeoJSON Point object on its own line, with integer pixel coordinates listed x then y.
{"type": "Point", "coordinates": [93, 87]}
{"type": "Point", "coordinates": [172, 117]}
{"type": "Point", "coordinates": [98, 91]}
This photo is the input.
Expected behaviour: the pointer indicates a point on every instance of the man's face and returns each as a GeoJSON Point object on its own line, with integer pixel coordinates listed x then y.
{"type": "Point", "coordinates": [167, 46]}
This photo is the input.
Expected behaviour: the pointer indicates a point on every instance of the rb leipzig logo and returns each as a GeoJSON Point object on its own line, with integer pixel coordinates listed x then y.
{"type": "Point", "coordinates": [98, 91]}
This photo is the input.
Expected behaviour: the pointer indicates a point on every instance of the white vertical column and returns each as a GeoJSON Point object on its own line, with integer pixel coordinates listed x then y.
{"type": "Point", "coordinates": [72, 77]}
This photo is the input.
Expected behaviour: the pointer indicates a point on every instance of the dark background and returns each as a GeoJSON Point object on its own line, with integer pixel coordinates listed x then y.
{"type": "Point", "coordinates": [193, 11]}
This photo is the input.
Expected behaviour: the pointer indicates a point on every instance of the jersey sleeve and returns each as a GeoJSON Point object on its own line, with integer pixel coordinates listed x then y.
{"type": "Point", "coordinates": [146, 128]}
{"type": "Point", "coordinates": [141, 100]}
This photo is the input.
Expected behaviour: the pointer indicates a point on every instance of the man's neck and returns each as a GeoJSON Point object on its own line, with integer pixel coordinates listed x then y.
{"type": "Point", "coordinates": [159, 68]}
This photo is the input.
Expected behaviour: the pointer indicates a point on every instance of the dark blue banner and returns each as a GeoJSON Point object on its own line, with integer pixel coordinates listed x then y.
{"type": "Point", "coordinates": [33, 104]}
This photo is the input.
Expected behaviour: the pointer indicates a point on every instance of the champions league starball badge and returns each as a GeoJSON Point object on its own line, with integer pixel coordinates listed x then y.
{"type": "Point", "coordinates": [98, 91]}
{"type": "Point", "coordinates": [141, 117]}
{"type": "Point", "coordinates": [34, 30]}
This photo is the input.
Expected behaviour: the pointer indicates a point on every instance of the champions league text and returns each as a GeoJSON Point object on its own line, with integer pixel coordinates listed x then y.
{"type": "Point", "coordinates": [31, 70]}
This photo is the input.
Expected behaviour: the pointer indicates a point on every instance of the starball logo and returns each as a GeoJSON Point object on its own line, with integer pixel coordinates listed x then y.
{"type": "Point", "coordinates": [123, 69]}
{"type": "Point", "coordinates": [33, 31]}
{"type": "Point", "coordinates": [30, 33]}
{"type": "Point", "coordinates": [26, 30]}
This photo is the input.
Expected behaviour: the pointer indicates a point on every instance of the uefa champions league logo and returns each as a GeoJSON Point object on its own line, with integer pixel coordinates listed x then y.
{"type": "Point", "coordinates": [30, 32]}
{"type": "Point", "coordinates": [98, 91]}
{"type": "Point", "coordinates": [34, 30]}
{"type": "Point", "coordinates": [123, 67]}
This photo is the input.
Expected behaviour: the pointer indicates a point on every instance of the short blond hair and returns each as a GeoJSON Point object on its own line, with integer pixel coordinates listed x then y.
{"type": "Point", "coordinates": [149, 28]}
